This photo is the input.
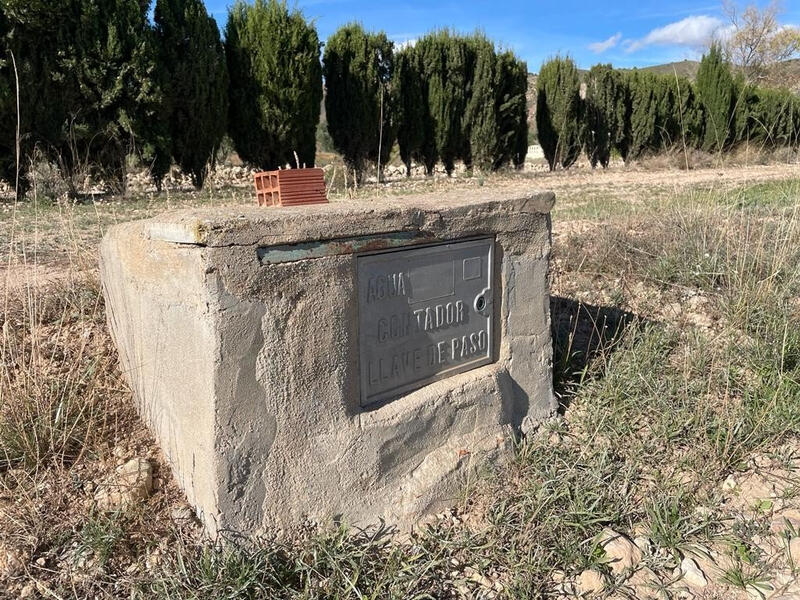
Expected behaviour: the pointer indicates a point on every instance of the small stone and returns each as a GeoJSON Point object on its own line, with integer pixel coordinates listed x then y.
{"type": "Point", "coordinates": [474, 576]}
{"type": "Point", "coordinates": [789, 518]}
{"type": "Point", "coordinates": [11, 563]}
{"type": "Point", "coordinates": [643, 543]}
{"type": "Point", "coordinates": [757, 492]}
{"type": "Point", "coordinates": [131, 483]}
{"type": "Point", "coordinates": [184, 514]}
{"type": "Point", "coordinates": [794, 550]}
{"type": "Point", "coordinates": [703, 511]}
{"type": "Point", "coordinates": [463, 589]}
{"type": "Point", "coordinates": [41, 561]}
{"type": "Point", "coordinates": [590, 582]}
{"type": "Point", "coordinates": [646, 584]}
{"type": "Point", "coordinates": [28, 591]}
{"type": "Point", "coordinates": [621, 552]}
{"type": "Point", "coordinates": [729, 484]}
{"type": "Point", "coordinates": [693, 574]}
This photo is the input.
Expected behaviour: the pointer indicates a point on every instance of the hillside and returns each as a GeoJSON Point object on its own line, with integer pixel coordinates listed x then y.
{"type": "Point", "coordinates": [684, 68]}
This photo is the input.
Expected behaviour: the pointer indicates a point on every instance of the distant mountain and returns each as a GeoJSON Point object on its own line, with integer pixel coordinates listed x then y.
{"type": "Point", "coordinates": [785, 74]}
{"type": "Point", "coordinates": [684, 68]}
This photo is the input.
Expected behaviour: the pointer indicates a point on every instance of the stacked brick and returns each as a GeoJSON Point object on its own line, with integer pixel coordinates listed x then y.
{"type": "Point", "coordinates": [290, 187]}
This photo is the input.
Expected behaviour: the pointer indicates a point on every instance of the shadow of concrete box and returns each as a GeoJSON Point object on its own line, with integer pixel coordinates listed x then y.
{"type": "Point", "coordinates": [347, 361]}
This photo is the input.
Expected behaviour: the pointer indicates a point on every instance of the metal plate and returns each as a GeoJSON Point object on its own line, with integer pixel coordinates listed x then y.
{"type": "Point", "coordinates": [423, 314]}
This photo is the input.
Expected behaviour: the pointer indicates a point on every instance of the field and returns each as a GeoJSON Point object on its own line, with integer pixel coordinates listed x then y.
{"type": "Point", "coordinates": [677, 362]}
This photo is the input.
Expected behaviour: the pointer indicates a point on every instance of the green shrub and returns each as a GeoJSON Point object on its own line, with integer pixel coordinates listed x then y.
{"type": "Point", "coordinates": [358, 67]}
{"type": "Point", "coordinates": [275, 88]}
{"type": "Point", "coordinates": [716, 90]}
{"type": "Point", "coordinates": [511, 87]}
{"type": "Point", "coordinates": [559, 112]}
{"type": "Point", "coordinates": [445, 60]}
{"type": "Point", "coordinates": [411, 109]}
{"type": "Point", "coordinates": [774, 118]}
{"type": "Point", "coordinates": [688, 114]}
{"type": "Point", "coordinates": [607, 108]}
{"type": "Point", "coordinates": [481, 115]}
{"type": "Point", "coordinates": [192, 61]}
{"type": "Point", "coordinates": [31, 33]}
{"type": "Point", "coordinates": [115, 103]}
{"type": "Point", "coordinates": [643, 113]}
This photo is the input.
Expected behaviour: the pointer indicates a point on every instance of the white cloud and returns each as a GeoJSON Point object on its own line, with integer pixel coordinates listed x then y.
{"type": "Point", "coordinates": [696, 31]}
{"type": "Point", "coordinates": [408, 43]}
{"type": "Point", "coordinates": [600, 47]}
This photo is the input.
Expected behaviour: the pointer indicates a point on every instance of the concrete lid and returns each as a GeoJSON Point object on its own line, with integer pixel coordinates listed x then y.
{"type": "Point", "coordinates": [254, 225]}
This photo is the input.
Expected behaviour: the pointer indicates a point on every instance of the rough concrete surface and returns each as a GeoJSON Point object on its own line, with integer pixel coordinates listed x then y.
{"type": "Point", "coordinates": [248, 372]}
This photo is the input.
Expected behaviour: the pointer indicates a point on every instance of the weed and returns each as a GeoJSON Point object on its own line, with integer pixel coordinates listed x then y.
{"type": "Point", "coordinates": [657, 413]}
{"type": "Point", "coordinates": [100, 535]}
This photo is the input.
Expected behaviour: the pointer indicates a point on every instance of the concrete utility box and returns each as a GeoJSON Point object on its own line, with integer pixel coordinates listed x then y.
{"type": "Point", "coordinates": [347, 360]}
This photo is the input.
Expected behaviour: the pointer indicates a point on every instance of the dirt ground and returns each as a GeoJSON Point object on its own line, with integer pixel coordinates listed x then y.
{"type": "Point", "coordinates": [56, 542]}
{"type": "Point", "coordinates": [42, 243]}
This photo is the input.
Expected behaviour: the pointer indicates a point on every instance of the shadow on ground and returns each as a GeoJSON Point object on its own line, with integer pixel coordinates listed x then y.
{"type": "Point", "coordinates": [582, 332]}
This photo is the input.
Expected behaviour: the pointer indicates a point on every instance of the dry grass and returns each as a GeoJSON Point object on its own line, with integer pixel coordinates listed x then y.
{"type": "Point", "coordinates": [678, 363]}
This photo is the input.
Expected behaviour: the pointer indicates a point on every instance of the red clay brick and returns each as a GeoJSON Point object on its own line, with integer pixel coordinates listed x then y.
{"type": "Point", "coordinates": [290, 187]}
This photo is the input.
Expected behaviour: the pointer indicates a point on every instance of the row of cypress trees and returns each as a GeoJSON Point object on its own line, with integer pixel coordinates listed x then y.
{"type": "Point", "coordinates": [87, 83]}
{"type": "Point", "coordinates": [637, 112]}
{"type": "Point", "coordinates": [96, 81]}
{"type": "Point", "coordinates": [448, 97]}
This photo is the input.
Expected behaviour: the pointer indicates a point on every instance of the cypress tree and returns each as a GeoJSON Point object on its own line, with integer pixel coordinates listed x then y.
{"type": "Point", "coordinates": [431, 68]}
{"type": "Point", "coordinates": [275, 83]}
{"type": "Point", "coordinates": [195, 81]}
{"type": "Point", "coordinates": [8, 106]}
{"type": "Point", "coordinates": [606, 113]}
{"type": "Point", "coordinates": [716, 91]}
{"type": "Point", "coordinates": [357, 67]}
{"type": "Point", "coordinates": [481, 117]}
{"type": "Point", "coordinates": [743, 102]}
{"type": "Point", "coordinates": [624, 110]}
{"type": "Point", "coordinates": [773, 118]}
{"type": "Point", "coordinates": [88, 86]}
{"type": "Point", "coordinates": [597, 136]}
{"type": "Point", "coordinates": [410, 106]}
{"type": "Point", "coordinates": [113, 94]}
{"type": "Point", "coordinates": [452, 138]}
{"type": "Point", "coordinates": [511, 86]}
{"type": "Point", "coordinates": [667, 129]}
{"type": "Point", "coordinates": [644, 112]}
{"type": "Point", "coordinates": [688, 114]}
{"type": "Point", "coordinates": [444, 60]}
{"type": "Point", "coordinates": [519, 110]}
{"type": "Point", "coordinates": [35, 33]}
{"type": "Point", "coordinates": [558, 112]}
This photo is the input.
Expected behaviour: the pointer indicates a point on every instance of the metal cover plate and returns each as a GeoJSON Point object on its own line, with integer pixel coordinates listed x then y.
{"type": "Point", "coordinates": [423, 314]}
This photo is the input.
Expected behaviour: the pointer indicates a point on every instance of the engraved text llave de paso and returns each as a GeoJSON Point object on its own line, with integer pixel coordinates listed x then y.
{"type": "Point", "coordinates": [424, 314]}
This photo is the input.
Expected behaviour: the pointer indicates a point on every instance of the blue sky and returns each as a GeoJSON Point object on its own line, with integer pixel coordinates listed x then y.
{"type": "Point", "coordinates": [626, 33]}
